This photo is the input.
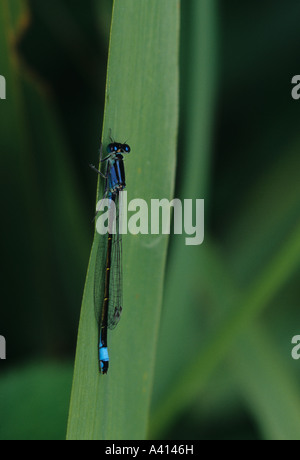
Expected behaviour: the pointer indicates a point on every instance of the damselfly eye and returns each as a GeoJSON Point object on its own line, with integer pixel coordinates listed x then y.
{"type": "Point", "coordinates": [126, 148]}
{"type": "Point", "coordinates": [110, 148]}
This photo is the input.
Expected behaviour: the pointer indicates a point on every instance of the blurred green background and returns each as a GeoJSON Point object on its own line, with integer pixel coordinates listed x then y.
{"type": "Point", "coordinates": [54, 56]}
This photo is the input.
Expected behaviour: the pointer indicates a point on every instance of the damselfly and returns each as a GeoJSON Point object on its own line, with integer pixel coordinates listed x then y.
{"type": "Point", "coordinates": [108, 272]}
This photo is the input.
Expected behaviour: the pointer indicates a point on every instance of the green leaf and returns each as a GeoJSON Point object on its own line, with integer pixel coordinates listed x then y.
{"type": "Point", "coordinates": [141, 108]}
{"type": "Point", "coordinates": [34, 401]}
{"type": "Point", "coordinates": [246, 308]}
{"type": "Point", "coordinates": [266, 381]}
{"type": "Point", "coordinates": [267, 384]}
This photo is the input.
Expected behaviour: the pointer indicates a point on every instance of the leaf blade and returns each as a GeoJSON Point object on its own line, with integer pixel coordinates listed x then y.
{"type": "Point", "coordinates": [142, 104]}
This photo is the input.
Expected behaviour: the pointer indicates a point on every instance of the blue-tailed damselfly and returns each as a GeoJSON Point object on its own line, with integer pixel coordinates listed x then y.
{"type": "Point", "coordinates": [108, 273]}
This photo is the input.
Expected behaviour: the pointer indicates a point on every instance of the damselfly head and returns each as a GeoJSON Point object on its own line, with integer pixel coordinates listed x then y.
{"type": "Point", "coordinates": [116, 147]}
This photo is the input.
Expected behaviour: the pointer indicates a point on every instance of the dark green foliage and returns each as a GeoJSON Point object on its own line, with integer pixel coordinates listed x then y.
{"type": "Point", "coordinates": [219, 355]}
